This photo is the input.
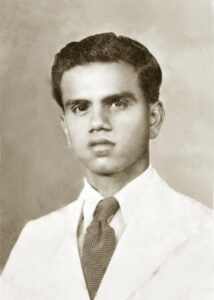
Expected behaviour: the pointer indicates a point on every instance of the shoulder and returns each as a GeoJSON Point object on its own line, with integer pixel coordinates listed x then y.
{"type": "Point", "coordinates": [185, 215]}
{"type": "Point", "coordinates": [50, 224]}
{"type": "Point", "coordinates": [40, 236]}
{"type": "Point", "coordinates": [180, 205]}
{"type": "Point", "coordinates": [188, 271]}
{"type": "Point", "coordinates": [41, 242]}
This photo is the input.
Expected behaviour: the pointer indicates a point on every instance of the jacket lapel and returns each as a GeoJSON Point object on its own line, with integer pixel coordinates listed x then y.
{"type": "Point", "coordinates": [154, 232]}
{"type": "Point", "coordinates": [73, 278]}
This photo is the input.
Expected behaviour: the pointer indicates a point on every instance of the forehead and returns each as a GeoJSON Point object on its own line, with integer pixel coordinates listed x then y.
{"type": "Point", "coordinates": [99, 79]}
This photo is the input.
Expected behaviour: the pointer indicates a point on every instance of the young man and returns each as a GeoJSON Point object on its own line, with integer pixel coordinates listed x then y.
{"type": "Point", "coordinates": [128, 235]}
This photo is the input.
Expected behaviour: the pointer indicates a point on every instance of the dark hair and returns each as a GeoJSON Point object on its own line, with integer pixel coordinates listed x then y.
{"type": "Point", "coordinates": [108, 47]}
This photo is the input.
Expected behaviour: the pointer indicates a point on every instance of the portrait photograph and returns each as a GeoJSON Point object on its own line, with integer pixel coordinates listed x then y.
{"type": "Point", "coordinates": [106, 150]}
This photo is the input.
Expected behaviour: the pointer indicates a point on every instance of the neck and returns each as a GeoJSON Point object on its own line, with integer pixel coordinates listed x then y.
{"type": "Point", "coordinates": [108, 185]}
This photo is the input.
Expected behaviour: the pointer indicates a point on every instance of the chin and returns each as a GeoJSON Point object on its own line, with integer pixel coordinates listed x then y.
{"type": "Point", "coordinates": [104, 168]}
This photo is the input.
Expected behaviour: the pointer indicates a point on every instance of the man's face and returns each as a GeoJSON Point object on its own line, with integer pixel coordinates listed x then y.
{"type": "Point", "coordinates": [106, 116]}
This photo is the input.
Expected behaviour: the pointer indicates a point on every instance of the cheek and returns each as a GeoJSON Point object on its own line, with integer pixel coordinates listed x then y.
{"type": "Point", "coordinates": [78, 141]}
{"type": "Point", "coordinates": [134, 127]}
{"type": "Point", "coordinates": [76, 132]}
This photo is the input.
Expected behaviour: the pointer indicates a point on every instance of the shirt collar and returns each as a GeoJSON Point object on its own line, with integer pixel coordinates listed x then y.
{"type": "Point", "coordinates": [90, 199]}
{"type": "Point", "coordinates": [128, 197]}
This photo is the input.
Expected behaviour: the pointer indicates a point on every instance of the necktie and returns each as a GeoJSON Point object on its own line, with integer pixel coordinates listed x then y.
{"type": "Point", "coordinates": [99, 245]}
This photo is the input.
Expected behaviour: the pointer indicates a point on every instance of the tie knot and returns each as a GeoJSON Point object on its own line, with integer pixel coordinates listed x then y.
{"type": "Point", "coordinates": [106, 208]}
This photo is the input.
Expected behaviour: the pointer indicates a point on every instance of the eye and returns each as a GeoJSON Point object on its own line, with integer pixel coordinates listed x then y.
{"type": "Point", "coordinates": [119, 104]}
{"type": "Point", "coordinates": [80, 109]}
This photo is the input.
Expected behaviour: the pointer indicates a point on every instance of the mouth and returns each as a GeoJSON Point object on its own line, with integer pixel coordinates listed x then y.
{"type": "Point", "coordinates": [101, 141]}
{"type": "Point", "coordinates": [102, 146]}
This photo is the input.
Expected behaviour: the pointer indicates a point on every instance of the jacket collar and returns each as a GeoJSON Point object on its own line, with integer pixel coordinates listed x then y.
{"type": "Point", "coordinates": [162, 223]}
{"type": "Point", "coordinates": [128, 197]}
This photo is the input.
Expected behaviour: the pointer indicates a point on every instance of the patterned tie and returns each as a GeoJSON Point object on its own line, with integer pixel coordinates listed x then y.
{"type": "Point", "coordinates": [99, 245]}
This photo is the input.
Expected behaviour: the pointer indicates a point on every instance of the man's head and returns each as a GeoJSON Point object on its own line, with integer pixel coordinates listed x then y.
{"type": "Point", "coordinates": [108, 88]}
{"type": "Point", "coordinates": [108, 47]}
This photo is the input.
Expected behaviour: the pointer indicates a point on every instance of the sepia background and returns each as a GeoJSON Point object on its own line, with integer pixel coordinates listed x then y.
{"type": "Point", "coordinates": [38, 172]}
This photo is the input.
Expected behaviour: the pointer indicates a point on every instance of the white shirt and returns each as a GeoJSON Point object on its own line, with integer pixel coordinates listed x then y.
{"type": "Point", "coordinates": [128, 198]}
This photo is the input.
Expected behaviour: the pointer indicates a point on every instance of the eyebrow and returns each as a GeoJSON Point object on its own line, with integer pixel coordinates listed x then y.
{"type": "Point", "coordinates": [71, 102]}
{"type": "Point", "coordinates": [109, 98]}
{"type": "Point", "coordinates": [124, 94]}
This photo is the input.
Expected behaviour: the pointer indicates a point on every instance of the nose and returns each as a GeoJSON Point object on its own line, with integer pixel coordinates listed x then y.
{"type": "Point", "coordinates": [99, 120]}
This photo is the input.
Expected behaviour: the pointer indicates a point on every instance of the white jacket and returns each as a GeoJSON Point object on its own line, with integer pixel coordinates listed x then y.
{"type": "Point", "coordinates": [165, 253]}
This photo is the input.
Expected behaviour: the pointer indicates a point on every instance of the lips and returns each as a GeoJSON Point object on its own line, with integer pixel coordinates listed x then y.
{"type": "Point", "coordinates": [101, 146]}
{"type": "Point", "coordinates": [100, 141]}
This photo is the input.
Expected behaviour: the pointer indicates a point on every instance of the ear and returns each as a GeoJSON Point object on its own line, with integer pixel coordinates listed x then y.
{"type": "Point", "coordinates": [156, 118]}
{"type": "Point", "coordinates": [65, 129]}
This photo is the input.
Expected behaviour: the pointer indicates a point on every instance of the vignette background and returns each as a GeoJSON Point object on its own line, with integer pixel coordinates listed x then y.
{"type": "Point", "coordinates": [38, 172]}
